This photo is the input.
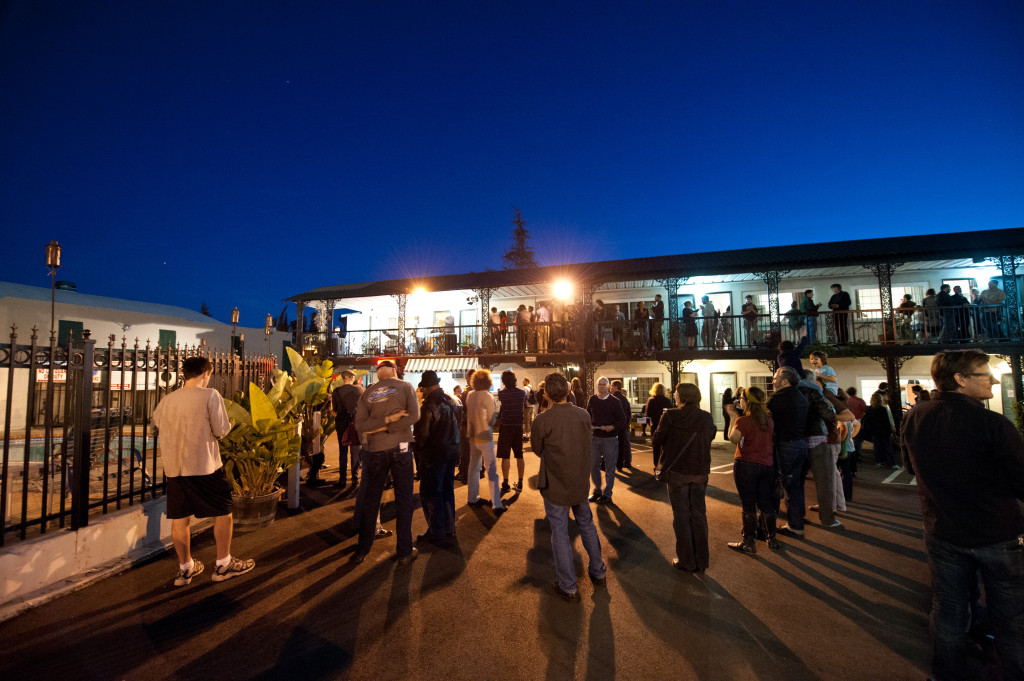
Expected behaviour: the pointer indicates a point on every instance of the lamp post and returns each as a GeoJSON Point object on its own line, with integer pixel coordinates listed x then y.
{"type": "Point", "coordinates": [268, 328]}
{"type": "Point", "coordinates": [234, 330]}
{"type": "Point", "coordinates": [53, 262]}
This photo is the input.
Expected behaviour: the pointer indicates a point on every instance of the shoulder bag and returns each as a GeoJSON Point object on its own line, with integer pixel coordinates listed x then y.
{"type": "Point", "coordinates": [659, 470]}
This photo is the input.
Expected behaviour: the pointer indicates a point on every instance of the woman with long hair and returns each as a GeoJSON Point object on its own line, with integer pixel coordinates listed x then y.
{"type": "Point", "coordinates": [753, 468]}
{"type": "Point", "coordinates": [656, 405]}
{"type": "Point", "coordinates": [481, 413]}
{"type": "Point", "coordinates": [683, 441]}
{"type": "Point", "coordinates": [727, 401]}
{"type": "Point", "coordinates": [576, 388]}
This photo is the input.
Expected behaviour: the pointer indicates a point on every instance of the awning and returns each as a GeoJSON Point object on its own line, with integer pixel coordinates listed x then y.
{"type": "Point", "coordinates": [421, 364]}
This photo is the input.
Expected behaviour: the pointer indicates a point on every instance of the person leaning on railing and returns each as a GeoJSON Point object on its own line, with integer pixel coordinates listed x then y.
{"type": "Point", "coordinates": [906, 311]}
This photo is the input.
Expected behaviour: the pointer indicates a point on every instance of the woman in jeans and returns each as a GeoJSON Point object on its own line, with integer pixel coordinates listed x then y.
{"type": "Point", "coordinates": [753, 468]}
{"type": "Point", "coordinates": [683, 439]}
{"type": "Point", "coordinates": [481, 413]}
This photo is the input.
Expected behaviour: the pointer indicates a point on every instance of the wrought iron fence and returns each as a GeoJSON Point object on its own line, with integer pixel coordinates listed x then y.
{"type": "Point", "coordinates": [82, 407]}
{"type": "Point", "coordinates": [976, 323]}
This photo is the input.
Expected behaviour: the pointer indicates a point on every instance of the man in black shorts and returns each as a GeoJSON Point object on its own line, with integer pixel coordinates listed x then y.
{"type": "Point", "coordinates": [510, 429]}
{"type": "Point", "coordinates": [189, 422]}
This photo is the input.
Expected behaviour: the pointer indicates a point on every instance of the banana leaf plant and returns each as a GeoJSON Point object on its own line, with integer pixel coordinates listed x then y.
{"type": "Point", "coordinates": [264, 439]}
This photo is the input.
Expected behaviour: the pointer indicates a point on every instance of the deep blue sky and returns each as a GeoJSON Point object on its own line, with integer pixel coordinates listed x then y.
{"type": "Point", "coordinates": [241, 152]}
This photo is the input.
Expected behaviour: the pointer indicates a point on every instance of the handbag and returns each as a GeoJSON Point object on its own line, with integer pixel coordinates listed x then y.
{"type": "Point", "coordinates": [659, 471]}
{"type": "Point", "coordinates": [778, 488]}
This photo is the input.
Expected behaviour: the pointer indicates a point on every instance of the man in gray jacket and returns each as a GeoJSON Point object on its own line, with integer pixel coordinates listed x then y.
{"type": "Point", "coordinates": [385, 415]}
{"type": "Point", "coordinates": [561, 438]}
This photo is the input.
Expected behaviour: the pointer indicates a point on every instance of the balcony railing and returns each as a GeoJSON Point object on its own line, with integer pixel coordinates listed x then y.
{"type": "Point", "coordinates": [637, 338]}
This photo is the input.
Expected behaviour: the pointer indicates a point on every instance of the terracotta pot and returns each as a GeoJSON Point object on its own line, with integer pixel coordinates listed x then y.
{"type": "Point", "coordinates": [252, 513]}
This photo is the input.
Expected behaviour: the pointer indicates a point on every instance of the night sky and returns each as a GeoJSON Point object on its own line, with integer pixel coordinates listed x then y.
{"type": "Point", "coordinates": [239, 153]}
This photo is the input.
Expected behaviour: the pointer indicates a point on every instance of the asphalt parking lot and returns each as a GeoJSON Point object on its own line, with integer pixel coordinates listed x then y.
{"type": "Point", "coordinates": [844, 604]}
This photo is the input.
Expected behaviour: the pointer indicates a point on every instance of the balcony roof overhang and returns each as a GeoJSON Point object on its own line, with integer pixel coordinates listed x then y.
{"type": "Point", "coordinates": [836, 258]}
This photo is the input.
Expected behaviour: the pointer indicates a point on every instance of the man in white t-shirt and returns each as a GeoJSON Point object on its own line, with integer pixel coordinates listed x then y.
{"type": "Point", "coordinates": [189, 422]}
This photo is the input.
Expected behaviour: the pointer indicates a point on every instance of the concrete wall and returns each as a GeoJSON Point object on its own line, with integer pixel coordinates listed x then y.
{"type": "Point", "coordinates": [37, 570]}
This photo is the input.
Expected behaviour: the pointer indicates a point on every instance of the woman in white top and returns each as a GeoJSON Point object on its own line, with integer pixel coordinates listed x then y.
{"type": "Point", "coordinates": [481, 413]}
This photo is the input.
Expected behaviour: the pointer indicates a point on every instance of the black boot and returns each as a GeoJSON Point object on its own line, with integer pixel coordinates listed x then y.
{"type": "Point", "coordinates": [749, 544]}
{"type": "Point", "coordinates": [773, 541]}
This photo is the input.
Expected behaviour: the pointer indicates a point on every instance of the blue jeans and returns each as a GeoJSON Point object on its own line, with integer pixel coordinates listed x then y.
{"type": "Point", "coordinates": [606, 448]}
{"type": "Point", "coordinates": [754, 483]}
{"type": "Point", "coordinates": [346, 452]}
{"type": "Point", "coordinates": [376, 466]}
{"type": "Point", "coordinates": [561, 544]}
{"type": "Point", "coordinates": [437, 496]}
{"type": "Point", "coordinates": [812, 328]}
{"type": "Point", "coordinates": [953, 570]}
{"type": "Point", "coordinates": [792, 456]}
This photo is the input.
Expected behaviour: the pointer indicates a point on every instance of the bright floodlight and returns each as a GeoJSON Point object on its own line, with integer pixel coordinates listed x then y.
{"type": "Point", "coordinates": [563, 289]}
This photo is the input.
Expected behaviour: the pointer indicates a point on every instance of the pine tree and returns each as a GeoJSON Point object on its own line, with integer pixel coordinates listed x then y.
{"type": "Point", "coordinates": [520, 256]}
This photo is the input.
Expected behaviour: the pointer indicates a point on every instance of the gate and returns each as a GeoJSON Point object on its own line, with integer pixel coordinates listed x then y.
{"type": "Point", "coordinates": [77, 438]}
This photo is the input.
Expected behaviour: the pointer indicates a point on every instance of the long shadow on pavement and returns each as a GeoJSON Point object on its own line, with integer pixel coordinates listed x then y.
{"type": "Point", "coordinates": [715, 633]}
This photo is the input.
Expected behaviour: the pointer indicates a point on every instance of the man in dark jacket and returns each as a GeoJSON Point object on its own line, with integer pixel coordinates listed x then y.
{"type": "Point", "coordinates": [625, 459]}
{"type": "Point", "coordinates": [840, 304]}
{"type": "Point", "coordinates": [789, 355]}
{"type": "Point", "coordinates": [789, 413]}
{"type": "Point", "coordinates": [561, 438]}
{"type": "Point", "coordinates": [437, 452]}
{"type": "Point", "coordinates": [969, 463]}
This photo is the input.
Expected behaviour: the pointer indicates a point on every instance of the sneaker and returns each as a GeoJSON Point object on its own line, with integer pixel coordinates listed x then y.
{"type": "Point", "coordinates": [505, 489]}
{"type": "Point", "coordinates": [835, 525]}
{"type": "Point", "coordinates": [184, 577]}
{"type": "Point", "coordinates": [518, 486]}
{"type": "Point", "coordinates": [382, 532]}
{"type": "Point", "coordinates": [236, 567]}
{"type": "Point", "coordinates": [789, 530]}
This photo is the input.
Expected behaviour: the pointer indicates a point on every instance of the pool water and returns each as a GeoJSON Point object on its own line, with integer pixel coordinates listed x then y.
{"type": "Point", "coordinates": [36, 447]}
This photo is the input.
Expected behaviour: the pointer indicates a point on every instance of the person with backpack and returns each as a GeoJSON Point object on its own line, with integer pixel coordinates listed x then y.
{"type": "Point", "coordinates": [437, 449]}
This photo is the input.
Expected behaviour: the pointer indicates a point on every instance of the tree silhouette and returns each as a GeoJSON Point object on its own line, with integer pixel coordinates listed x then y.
{"type": "Point", "coordinates": [205, 309]}
{"type": "Point", "coordinates": [520, 255]}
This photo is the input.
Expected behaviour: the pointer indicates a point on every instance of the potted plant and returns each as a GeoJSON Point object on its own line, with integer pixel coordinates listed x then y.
{"type": "Point", "coordinates": [264, 439]}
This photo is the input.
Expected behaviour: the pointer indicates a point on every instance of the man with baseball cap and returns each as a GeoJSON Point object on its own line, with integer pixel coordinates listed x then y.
{"type": "Point", "coordinates": [385, 415]}
{"type": "Point", "coordinates": [437, 452]}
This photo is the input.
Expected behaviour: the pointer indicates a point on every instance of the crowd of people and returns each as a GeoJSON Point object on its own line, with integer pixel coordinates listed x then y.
{"type": "Point", "coordinates": [969, 464]}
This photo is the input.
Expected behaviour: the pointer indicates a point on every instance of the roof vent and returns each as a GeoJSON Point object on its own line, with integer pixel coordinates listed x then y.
{"type": "Point", "coordinates": [66, 286]}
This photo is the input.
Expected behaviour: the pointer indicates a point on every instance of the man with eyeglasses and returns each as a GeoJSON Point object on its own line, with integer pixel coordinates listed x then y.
{"type": "Point", "coordinates": [969, 463]}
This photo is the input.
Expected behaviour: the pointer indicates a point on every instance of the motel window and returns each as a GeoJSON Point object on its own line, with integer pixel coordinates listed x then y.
{"type": "Point", "coordinates": [870, 299]}
{"type": "Point", "coordinates": [764, 382]}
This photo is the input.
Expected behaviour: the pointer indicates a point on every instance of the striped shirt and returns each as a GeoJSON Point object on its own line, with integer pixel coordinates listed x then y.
{"type": "Point", "coordinates": [513, 402]}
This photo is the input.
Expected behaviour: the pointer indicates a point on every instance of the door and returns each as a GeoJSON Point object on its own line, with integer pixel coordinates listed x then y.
{"type": "Point", "coordinates": [719, 383]}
